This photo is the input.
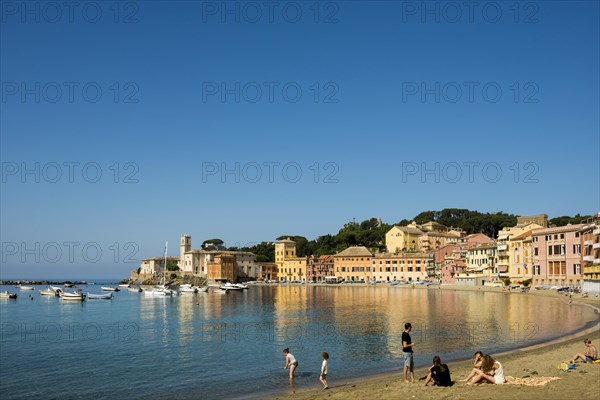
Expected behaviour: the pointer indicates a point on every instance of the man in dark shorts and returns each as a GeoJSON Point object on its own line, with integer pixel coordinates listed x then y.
{"type": "Point", "coordinates": [407, 353]}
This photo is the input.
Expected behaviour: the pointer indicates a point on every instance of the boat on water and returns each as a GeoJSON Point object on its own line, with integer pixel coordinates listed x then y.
{"type": "Point", "coordinates": [124, 285]}
{"type": "Point", "coordinates": [73, 296]}
{"type": "Point", "coordinates": [48, 292]}
{"type": "Point", "coordinates": [188, 288]}
{"type": "Point", "coordinates": [55, 288]}
{"type": "Point", "coordinates": [161, 290]}
{"type": "Point", "coordinates": [26, 287]}
{"type": "Point", "coordinates": [109, 289]}
{"type": "Point", "coordinates": [103, 296]}
{"type": "Point", "coordinates": [134, 289]}
{"type": "Point", "coordinates": [231, 286]}
{"type": "Point", "coordinates": [69, 284]}
{"type": "Point", "coordinates": [7, 295]}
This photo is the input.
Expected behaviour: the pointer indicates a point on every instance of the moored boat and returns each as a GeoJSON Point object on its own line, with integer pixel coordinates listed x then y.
{"type": "Point", "coordinates": [26, 287]}
{"type": "Point", "coordinates": [55, 288]}
{"type": "Point", "coordinates": [134, 289]}
{"type": "Point", "coordinates": [48, 292]}
{"type": "Point", "coordinates": [230, 286]}
{"type": "Point", "coordinates": [187, 288]}
{"type": "Point", "coordinates": [7, 295]}
{"type": "Point", "coordinates": [124, 285]}
{"type": "Point", "coordinates": [109, 289]}
{"type": "Point", "coordinates": [103, 296]}
{"type": "Point", "coordinates": [73, 296]}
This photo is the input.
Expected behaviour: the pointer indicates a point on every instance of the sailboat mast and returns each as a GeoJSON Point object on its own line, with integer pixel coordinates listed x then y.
{"type": "Point", "coordinates": [165, 269]}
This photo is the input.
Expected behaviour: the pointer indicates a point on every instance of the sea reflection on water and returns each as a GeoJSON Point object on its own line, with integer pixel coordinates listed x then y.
{"type": "Point", "coordinates": [231, 345]}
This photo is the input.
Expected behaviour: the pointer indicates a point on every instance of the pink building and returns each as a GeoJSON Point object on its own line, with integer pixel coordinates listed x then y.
{"type": "Point", "coordinates": [319, 268]}
{"type": "Point", "coordinates": [557, 256]}
{"type": "Point", "coordinates": [456, 261]}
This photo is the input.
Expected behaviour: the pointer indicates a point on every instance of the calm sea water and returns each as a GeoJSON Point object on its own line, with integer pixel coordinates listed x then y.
{"type": "Point", "coordinates": [208, 345]}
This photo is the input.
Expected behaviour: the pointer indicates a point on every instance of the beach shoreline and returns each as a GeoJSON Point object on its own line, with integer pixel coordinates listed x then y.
{"type": "Point", "coordinates": [536, 360]}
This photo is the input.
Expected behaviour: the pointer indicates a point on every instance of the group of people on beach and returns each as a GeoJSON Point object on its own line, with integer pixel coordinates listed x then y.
{"type": "Point", "coordinates": [485, 368]}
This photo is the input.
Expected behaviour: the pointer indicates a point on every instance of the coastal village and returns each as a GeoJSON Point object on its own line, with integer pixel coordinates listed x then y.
{"type": "Point", "coordinates": [529, 253]}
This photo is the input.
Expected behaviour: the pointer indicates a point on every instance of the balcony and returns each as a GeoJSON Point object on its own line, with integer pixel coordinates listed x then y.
{"type": "Point", "coordinates": [596, 245]}
{"type": "Point", "coordinates": [588, 243]}
{"type": "Point", "coordinates": [596, 232]}
{"type": "Point", "coordinates": [588, 258]}
{"type": "Point", "coordinates": [592, 270]}
{"type": "Point", "coordinates": [596, 261]}
{"type": "Point", "coordinates": [502, 247]}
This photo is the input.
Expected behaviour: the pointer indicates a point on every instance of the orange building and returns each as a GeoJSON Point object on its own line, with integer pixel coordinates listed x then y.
{"type": "Point", "coordinates": [222, 268]}
{"type": "Point", "coordinates": [353, 264]}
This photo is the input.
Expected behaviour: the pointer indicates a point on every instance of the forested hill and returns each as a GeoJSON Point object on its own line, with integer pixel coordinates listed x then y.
{"type": "Point", "coordinates": [371, 234]}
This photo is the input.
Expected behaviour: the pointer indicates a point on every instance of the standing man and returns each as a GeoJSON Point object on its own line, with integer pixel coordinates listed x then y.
{"type": "Point", "coordinates": [407, 352]}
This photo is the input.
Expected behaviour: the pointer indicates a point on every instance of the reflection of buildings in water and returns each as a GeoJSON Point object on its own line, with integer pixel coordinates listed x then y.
{"type": "Point", "coordinates": [185, 310]}
{"type": "Point", "coordinates": [290, 313]}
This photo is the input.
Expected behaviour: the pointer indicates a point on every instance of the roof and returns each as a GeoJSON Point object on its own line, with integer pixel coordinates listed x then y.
{"type": "Point", "coordinates": [566, 228]}
{"type": "Point", "coordinates": [522, 235]}
{"type": "Point", "coordinates": [408, 229]}
{"type": "Point", "coordinates": [355, 251]}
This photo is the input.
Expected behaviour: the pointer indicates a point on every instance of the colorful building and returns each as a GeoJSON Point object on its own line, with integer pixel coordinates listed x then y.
{"type": "Point", "coordinates": [557, 256]}
{"type": "Point", "coordinates": [284, 249]}
{"type": "Point", "coordinates": [320, 268]}
{"type": "Point", "coordinates": [221, 268]}
{"type": "Point", "coordinates": [353, 264]}
{"type": "Point", "coordinates": [520, 265]}
{"type": "Point", "coordinates": [389, 267]}
{"type": "Point", "coordinates": [403, 238]}
{"type": "Point", "coordinates": [590, 255]}
{"type": "Point", "coordinates": [506, 245]}
{"type": "Point", "coordinates": [268, 271]}
{"type": "Point", "coordinates": [293, 269]}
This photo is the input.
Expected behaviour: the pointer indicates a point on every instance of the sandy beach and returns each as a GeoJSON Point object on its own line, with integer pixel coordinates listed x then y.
{"type": "Point", "coordinates": [535, 361]}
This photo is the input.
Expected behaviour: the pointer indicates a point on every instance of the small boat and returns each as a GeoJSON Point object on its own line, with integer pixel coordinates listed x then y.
{"type": "Point", "coordinates": [241, 285]}
{"type": "Point", "coordinates": [159, 291]}
{"type": "Point", "coordinates": [124, 285]}
{"type": "Point", "coordinates": [55, 288]}
{"type": "Point", "coordinates": [109, 289]}
{"type": "Point", "coordinates": [134, 289]}
{"type": "Point", "coordinates": [103, 296]}
{"type": "Point", "coordinates": [48, 292]}
{"type": "Point", "coordinates": [73, 296]}
{"type": "Point", "coordinates": [26, 287]}
{"type": "Point", "coordinates": [187, 288]}
{"type": "Point", "coordinates": [69, 284]}
{"type": "Point", "coordinates": [7, 295]}
{"type": "Point", "coordinates": [230, 286]}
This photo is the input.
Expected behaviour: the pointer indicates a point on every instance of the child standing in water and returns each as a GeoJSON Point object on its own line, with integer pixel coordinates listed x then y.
{"type": "Point", "coordinates": [290, 361]}
{"type": "Point", "coordinates": [323, 376]}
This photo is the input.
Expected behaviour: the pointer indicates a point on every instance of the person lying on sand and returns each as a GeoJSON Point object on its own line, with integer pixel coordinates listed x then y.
{"type": "Point", "coordinates": [477, 360]}
{"type": "Point", "coordinates": [590, 355]}
{"type": "Point", "coordinates": [439, 373]}
{"type": "Point", "coordinates": [491, 371]}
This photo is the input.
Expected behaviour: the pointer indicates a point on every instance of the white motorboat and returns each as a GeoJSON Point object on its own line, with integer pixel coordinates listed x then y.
{"type": "Point", "coordinates": [241, 285]}
{"type": "Point", "coordinates": [48, 292]}
{"type": "Point", "coordinates": [109, 289]}
{"type": "Point", "coordinates": [158, 291]}
{"type": "Point", "coordinates": [57, 289]}
{"type": "Point", "coordinates": [7, 295]}
{"type": "Point", "coordinates": [188, 288]}
{"type": "Point", "coordinates": [26, 287]}
{"type": "Point", "coordinates": [124, 285]}
{"type": "Point", "coordinates": [134, 289]}
{"type": "Point", "coordinates": [73, 296]}
{"type": "Point", "coordinates": [103, 296]}
{"type": "Point", "coordinates": [230, 286]}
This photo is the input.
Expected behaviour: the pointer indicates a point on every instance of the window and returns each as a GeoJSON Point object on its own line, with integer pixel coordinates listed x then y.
{"type": "Point", "coordinates": [556, 249]}
{"type": "Point", "coordinates": [555, 237]}
{"type": "Point", "coordinates": [576, 234]}
{"type": "Point", "coordinates": [577, 269]}
{"type": "Point", "coordinates": [576, 249]}
{"type": "Point", "coordinates": [562, 235]}
{"type": "Point", "coordinates": [549, 250]}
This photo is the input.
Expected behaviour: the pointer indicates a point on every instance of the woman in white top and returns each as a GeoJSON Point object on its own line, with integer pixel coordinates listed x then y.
{"type": "Point", "coordinates": [290, 361]}
{"type": "Point", "coordinates": [491, 371]}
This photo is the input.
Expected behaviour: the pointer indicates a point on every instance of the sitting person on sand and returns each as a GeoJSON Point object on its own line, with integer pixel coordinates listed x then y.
{"type": "Point", "coordinates": [590, 355]}
{"type": "Point", "coordinates": [439, 373]}
{"type": "Point", "coordinates": [477, 360]}
{"type": "Point", "coordinates": [491, 371]}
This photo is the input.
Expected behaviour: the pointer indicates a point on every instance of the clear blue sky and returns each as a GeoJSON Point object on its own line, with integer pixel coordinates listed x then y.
{"type": "Point", "coordinates": [374, 66]}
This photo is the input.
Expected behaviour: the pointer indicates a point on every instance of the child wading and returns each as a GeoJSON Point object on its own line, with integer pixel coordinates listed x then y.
{"type": "Point", "coordinates": [290, 361]}
{"type": "Point", "coordinates": [323, 376]}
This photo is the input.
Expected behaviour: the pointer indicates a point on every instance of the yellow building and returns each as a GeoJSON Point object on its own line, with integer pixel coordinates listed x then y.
{"type": "Point", "coordinates": [293, 269]}
{"type": "Point", "coordinates": [520, 258]}
{"type": "Point", "coordinates": [403, 238]}
{"type": "Point", "coordinates": [409, 267]}
{"type": "Point", "coordinates": [284, 249]}
{"type": "Point", "coordinates": [506, 253]}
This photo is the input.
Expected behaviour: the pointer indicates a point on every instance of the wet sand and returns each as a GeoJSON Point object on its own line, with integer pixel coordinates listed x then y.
{"type": "Point", "coordinates": [535, 361]}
